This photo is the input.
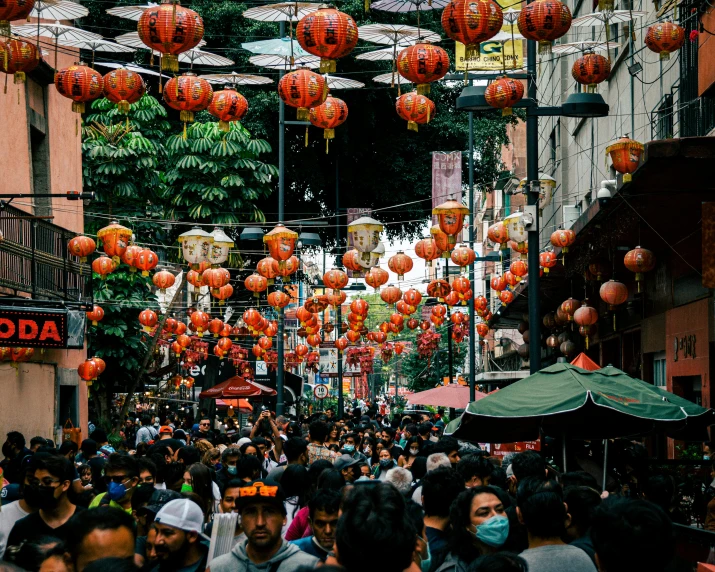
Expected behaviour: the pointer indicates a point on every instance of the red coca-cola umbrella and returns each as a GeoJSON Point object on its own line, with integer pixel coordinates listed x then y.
{"type": "Point", "coordinates": [240, 405]}
{"type": "Point", "coordinates": [236, 387]}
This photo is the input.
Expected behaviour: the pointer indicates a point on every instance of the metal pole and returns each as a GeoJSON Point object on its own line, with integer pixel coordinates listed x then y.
{"type": "Point", "coordinates": [472, 325]}
{"type": "Point", "coordinates": [532, 174]}
{"type": "Point", "coordinates": [281, 208]}
{"type": "Point", "coordinates": [449, 325]}
{"type": "Point", "coordinates": [338, 312]}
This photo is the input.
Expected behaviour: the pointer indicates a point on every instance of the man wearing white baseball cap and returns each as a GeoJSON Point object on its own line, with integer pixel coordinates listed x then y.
{"type": "Point", "coordinates": [178, 543]}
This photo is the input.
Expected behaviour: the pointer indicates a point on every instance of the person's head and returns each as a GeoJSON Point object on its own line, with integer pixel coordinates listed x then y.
{"type": "Point", "coordinates": [212, 459]}
{"type": "Point", "coordinates": [229, 460]}
{"type": "Point", "coordinates": [36, 443]}
{"type": "Point", "coordinates": [99, 436]}
{"type": "Point", "coordinates": [414, 446]}
{"type": "Point", "coordinates": [364, 470]}
{"type": "Point", "coordinates": [147, 470]}
{"type": "Point", "coordinates": [296, 482]}
{"type": "Point", "coordinates": [229, 496]}
{"type": "Point", "coordinates": [204, 424]}
{"type": "Point", "coordinates": [100, 533]}
{"type": "Point", "coordinates": [331, 479]}
{"type": "Point", "coordinates": [388, 436]}
{"type": "Point", "coordinates": [528, 464]}
{"type": "Point", "coordinates": [178, 527]}
{"type": "Point", "coordinates": [418, 468]}
{"type": "Point", "coordinates": [578, 479]}
{"type": "Point", "coordinates": [450, 447]}
{"type": "Point", "coordinates": [424, 430]}
{"type": "Point", "coordinates": [51, 478]}
{"type": "Point", "coordinates": [85, 474]}
{"type": "Point", "coordinates": [347, 467]}
{"type": "Point", "coordinates": [333, 432]}
{"type": "Point", "coordinates": [249, 468]}
{"type": "Point", "coordinates": [385, 458]}
{"type": "Point", "coordinates": [14, 443]}
{"type": "Point", "coordinates": [660, 489]}
{"type": "Point", "coordinates": [416, 515]}
{"type": "Point", "coordinates": [197, 479]}
{"type": "Point", "coordinates": [350, 442]}
{"type": "Point", "coordinates": [439, 490]}
{"type": "Point", "coordinates": [263, 514]}
{"type": "Point", "coordinates": [249, 449]}
{"type": "Point", "coordinates": [476, 470]}
{"type": "Point", "coordinates": [173, 476]}
{"type": "Point", "coordinates": [499, 562]}
{"type": "Point", "coordinates": [296, 451]}
{"type": "Point", "coordinates": [188, 456]}
{"type": "Point", "coordinates": [68, 449]}
{"type": "Point", "coordinates": [401, 479]}
{"type": "Point", "coordinates": [411, 431]}
{"type": "Point", "coordinates": [324, 510]}
{"type": "Point", "coordinates": [632, 535]}
{"type": "Point", "coordinates": [146, 420]}
{"type": "Point", "coordinates": [318, 432]}
{"type": "Point", "coordinates": [121, 475]}
{"type": "Point", "coordinates": [438, 460]}
{"type": "Point", "coordinates": [89, 448]}
{"type": "Point", "coordinates": [374, 516]}
{"type": "Point", "coordinates": [39, 553]}
{"type": "Point", "coordinates": [582, 503]}
{"type": "Point", "coordinates": [540, 507]}
{"type": "Point", "coordinates": [111, 564]}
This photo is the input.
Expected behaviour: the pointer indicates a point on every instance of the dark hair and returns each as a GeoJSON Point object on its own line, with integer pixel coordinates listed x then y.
{"type": "Point", "coordinates": [460, 541]}
{"type": "Point", "coordinates": [446, 445]}
{"type": "Point", "coordinates": [171, 473]}
{"type": "Point", "coordinates": [83, 523]}
{"type": "Point", "coordinates": [189, 455]}
{"type": "Point", "coordinates": [414, 439]}
{"type": "Point", "coordinates": [89, 447]}
{"type": "Point", "coordinates": [375, 516]}
{"type": "Point", "coordinates": [232, 484]}
{"type": "Point", "coordinates": [38, 441]}
{"type": "Point", "coordinates": [318, 431]}
{"type": "Point", "coordinates": [499, 479]}
{"type": "Point", "coordinates": [390, 432]}
{"type": "Point", "coordinates": [230, 452]}
{"type": "Point", "coordinates": [411, 428]}
{"type": "Point", "coordinates": [58, 466]}
{"type": "Point", "coordinates": [142, 495]}
{"type": "Point", "coordinates": [144, 464]}
{"type": "Point", "coordinates": [416, 515]}
{"type": "Point", "coordinates": [248, 466]}
{"type": "Point", "coordinates": [326, 500]}
{"type": "Point", "coordinates": [632, 535]}
{"type": "Point", "coordinates": [582, 503]}
{"type": "Point", "coordinates": [439, 490]}
{"type": "Point", "coordinates": [472, 465]}
{"type": "Point", "coordinates": [126, 463]}
{"type": "Point", "coordinates": [202, 485]}
{"type": "Point", "coordinates": [424, 428]}
{"type": "Point", "coordinates": [331, 479]}
{"type": "Point", "coordinates": [113, 564]}
{"type": "Point", "coordinates": [541, 504]}
{"type": "Point", "coordinates": [499, 562]}
{"type": "Point", "coordinates": [418, 468]}
{"type": "Point", "coordinates": [660, 489]}
{"type": "Point", "coordinates": [68, 447]}
{"type": "Point", "coordinates": [528, 464]}
{"type": "Point", "coordinates": [578, 479]}
{"type": "Point", "coordinates": [294, 447]}
{"type": "Point", "coordinates": [98, 436]}
{"type": "Point", "coordinates": [245, 447]}
{"type": "Point", "coordinates": [296, 483]}
{"type": "Point", "coordinates": [146, 419]}
{"type": "Point", "coordinates": [16, 438]}
{"type": "Point", "coordinates": [31, 554]}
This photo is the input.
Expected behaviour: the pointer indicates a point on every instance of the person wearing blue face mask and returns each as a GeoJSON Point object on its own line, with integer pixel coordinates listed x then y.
{"type": "Point", "coordinates": [478, 526]}
{"type": "Point", "coordinates": [422, 556]}
{"type": "Point", "coordinates": [350, 442]}
{"type": "Point", "coordinates": [121, 476]}
{"type": "Point", "coordinates": [229, 463]}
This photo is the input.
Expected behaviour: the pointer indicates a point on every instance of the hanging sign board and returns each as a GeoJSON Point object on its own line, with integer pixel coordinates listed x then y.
{"type": "Point", "coordinates": [33, 328]}
{"type": "Point", "coordinates": [491, 55]}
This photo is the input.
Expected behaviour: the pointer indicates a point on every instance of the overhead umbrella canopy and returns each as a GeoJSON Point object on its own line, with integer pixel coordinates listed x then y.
{"type": "Point", "coordinates": [391, 78]}
{"type": "Point", "coordinates": [511, 15]}
{"type": "Point", "coordinates": [96, 46]}
{"type": "Point", "coordinates": [277, 46]}
{"type": "Point", "coordinates": [131, 12]}
{"type": "Point", "coordinates": [236, 387]}
{"type": "Point", "coordinates": [240, 405]}
{"type": "Point", "coordinates": [399, 34]}
{"type": "Point", "coordinates": [59, 10]}
{"type": "Point", "coordinates": [132, 39]}
{"type": "Point", "coordinates": [54, 31]}
{"type": "Point", "coordinates": [408, 5]}
{"type": "Point", "coordinates": [283, 12]}
{"type": "Point", "coordinates": [564, 399]}
{"type": "Point", "coordinates": [202, 58]}
{"type": "Point", "coordinates": [579, 47]}
{"type": "Point", "coordinates": [237, 78]}
{"type": "Point", "coordinates": [614, 17]}
{"type": "Point", "coordinates": [274, 61]}
{"type": "Point", "coordinates": [131, 67]}
{"type": "Point", "coordinates": [506, 37]}
{"type": "Point", "coordinates": [383, 54]}
{"type": "Point", "coordinates": [452, 395]}
{"type": "Point", "coordinates": [343, 83]}
{"type": "Point", "coordinates": [585, 362]}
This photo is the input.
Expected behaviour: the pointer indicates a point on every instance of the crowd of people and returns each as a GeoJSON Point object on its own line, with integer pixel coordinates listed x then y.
{"type": "Point", "coordinates": [361, 493]}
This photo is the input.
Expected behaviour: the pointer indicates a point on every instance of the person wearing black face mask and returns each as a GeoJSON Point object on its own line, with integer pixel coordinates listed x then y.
{"type": "Point", "coordinates": [14, 511]}
{"type": "Point", "coordinates": [47, 490]}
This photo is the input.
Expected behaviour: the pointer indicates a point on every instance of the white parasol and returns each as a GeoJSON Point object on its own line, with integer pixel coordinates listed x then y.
{"type": "Point", "coordinates": [614, 17]}
{"type": "Point", "coordinates": [278, 62]}
{"type": "Point", "coordinates": [342, 83]}
{"type": "Point", "coordinates": [381, 55]}
{"type": "Point", "coordinates": [391, 79]}
{"type": "Point", "coordinates": [202, 58]}
{"type": "Point", "coordinates": [132, 40]}
{"type": "Point", "coordinates": [409, 5]}
{"type": "Point", "coordinates": [391, 34]}
{"type": "Point", "coordinates": [131, 12]}
{"type": "Point", "coordinates": [511, 16]}
{"type": "Point", "coordinates": [284, 12]}
{"type": "Point", "coordinates": [54, 31]}
{"type": "Point", "coordinates": [237, 78]}
{"type": "Point", "coordinates": [578, 47]}
{"type": "Point", "coordinates": [96, 46]}
{"type": "Point", "coordinates": [58, 10]}
{"type": "Point", "coordinates": [131, 67]}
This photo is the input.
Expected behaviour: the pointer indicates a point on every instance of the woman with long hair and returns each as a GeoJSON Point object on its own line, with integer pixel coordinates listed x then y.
{"type": "Point", "coordinates": [333, 437]}
{"type": "Point", "coordinates": [412, 450]}
{"type": "Point", "coordinates": [197, 480]}
{"type": "Point", "coordinates": [296, 487]}
{"type": "Point", "coordinates": [385, 463]}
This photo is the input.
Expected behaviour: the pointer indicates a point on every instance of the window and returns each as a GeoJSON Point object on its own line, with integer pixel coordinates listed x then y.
{"type": "Point", "coordinates": [659, 378]}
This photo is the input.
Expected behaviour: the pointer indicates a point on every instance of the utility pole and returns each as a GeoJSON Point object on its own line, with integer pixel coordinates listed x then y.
{"type": "Point", "coordinates": [339, 309]}
{"type": "Point", "coordinates": [449, 326]}
{"type": "Point", "coordinates": [281, 208]}
{"type": "Point", "coordinates": [472, 325]}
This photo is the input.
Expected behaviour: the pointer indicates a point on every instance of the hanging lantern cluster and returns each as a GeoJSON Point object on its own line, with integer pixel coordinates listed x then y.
{"type": "Point", "coordinates": [328, 34]}
{"type": "Point", "coordinates": [625, 155]}
{"type": "Point", "coordinates": [90, 369]}
{"type": "Point", "coordinates": [416, 109]}
{"type": "Point", "coordinates": [439, 289]}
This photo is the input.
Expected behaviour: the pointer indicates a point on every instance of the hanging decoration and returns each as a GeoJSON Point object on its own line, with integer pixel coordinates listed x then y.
{"type": "Point", "coordinates": [391, 295]}
{"type": "Point", "coordinates": [626, 156]}
{"type": "Point", "coordinates": [328, 34]}
{"type": "Point", "coordinates": [147, 261]}
{"type": "Point", "coordinates": [400, 264]}
{"type": "Point", "coordinates": [82, 247]}
{"type": "Point", "coordinates": [498, 234]}
{"type": "Point", "coordinates": [364, 234]}
{"type": "Point", "coordinates": [335, 279]}
{"type": "Point", "coordinates": [664, 38]}
{"type": "Point", "coordinates": [228, 106]}
{"type": "Point", "coordinates": [11, 10]}
{"type": "Point", "coordinates": [498, 283]}
{"type": "Point", "coordinates": [281, 243]}
{"type": "Point", "coordinates": [123, 87]}
{"type": "Point", "coordinates": [463, 256]}
{"type": "Point", "coordinates": [472, 22]}
{"type": "Point", "coordinates": [504, 93]}
{"type": "Point", "coordinates": [95, 315]}
{"type": "Point", "coordinates": [130, 256]}
{"type": "Point", "coordinates": [450, 215]}
{"type": "Point", "coordinates": [511, 279]}
{"type": "Point", "coordinates": [438, 289]}
{"type": "Point", "coordinates": [639, 260]}
{"type": "Point", "coordinates": [188, 94]}
{"type": "Point", "coordinates": [544, 21]}
{"type": "Point", "coordinates": [376, 277]}
{"type": "Point", "coordinates": [585, 317]}
{"type": "Point", "coordinates": [148, 319]}
{"type": "Point", "coordinates": [590, 70]}
{"type": "Point", "coordinates": [278, 300]}
{"type": "Point", "coordinates": [327, 116]}
{"type": "Point", "coordinates": [302, 89]}
{"type": "Point", "coordinates": [170, 29]}
{"type": "Point", "coordinates": [115, 240]}
{"type": "Point", "coordinates": [569, 308]}
{"type": "Point", "coordinates": [428, 250]}
{"type": "Point", "coordinates": [506, 297]}
{"type": "Point", "coordinates": [416, 109]}
{"type": "Point", "coordinates": [422, 64]}
{"type": "Point", "coordinates": [350, 261]}
{"type": "Point", "coordinates": [80, 84]}
{"type": "Point", "coordinates": [103, 266]}
{"type": "Point", "coordinates": [256, 284]}
{"type": "Point", "coordinates": [614, 294]}
{"type": "Point", "coordinates": [548, 260]}
{"type": "Point", "coordinates": [18, 57]}
{"type": "Point", "coordinates": [195, 246]}
{"type": "Point", "coordinates": [563, 239]}
{"type": "Point", "coordinates": [220, 247]}
{"type": "Point", "coordinates": [519, 269]}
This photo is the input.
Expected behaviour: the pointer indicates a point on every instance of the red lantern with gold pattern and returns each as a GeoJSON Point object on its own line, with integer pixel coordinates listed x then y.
{"type": "Point", "coordinates": [664, 38]}
{"type": "Point", "coordinates": [613, 293]}
{"type": "Point", "coordinates": [123, 87]}
{"type": "Point", "coordinates": [504, 93]}
{"type": "Point", "coordinates": [350, 261]}
{"type": "Point", "coordinates": [130, 256]}
{"type": "Point", "coordinates": [222, 294]}
{"type": "Point", "coordinates": [506, 297]}
{"type": "Point", "coordinates": [328, 115]}
{"type": "Point", "coordinates": [498, 283]}
{"type": "Point", "coordinates": [586, 316]}
{"type": "Point", "coordinates": [547, 260]}
{"type": "Point", "coordinates": [472, 22]}
{"type": "Point", "coordinates": [103, 266]}
{"type": "Point", "coordinates": [335, 279]}
{"type": "Point", "coordinates": [215, 277]}
{"type": "Point", "coordinates": [519, 269]}
{"type": "Point", "coordinates": [482, 329]}
{"type": "Point", "coordinates": [328, 34]}
{"type": "Point", "coordinates": [265, 269]}
{"type": "Point", "coordinates": [412, 323]}
{"type": "Point", "coordinates": [88, 370]}
{"type": "Point", "coordinates": [463, 256]}
{"type": "Point", "coordinates": [639, 260]}
{"type": "Point", "coordinates": [397, 319]}
{"type": "Point", "coordinates": [591, 69]}
{"type": "Point", "coordinates": [227, 106]}
{"type": "Point", "coordinates": [400, 264]}
{"type": "Point", "coordinates": [626, 156]}
{"type": "Point", "coordinates": [215, 327]}
{"type": "Point", "coordinates": [404, 308]}
{"type": "Point", "coordinates": [115, 240]}
{"type": "Point", "coordinates": [412, 297]}
{"type": "Point", "coordinates": [148, 319]}
{"type": "Point", "coordinates": [461, 284]}
{"type": "Point", "coordinates": [81, 246]}
{"type": "Point", "coordinates": [544, 21]}
{"type": "Point", "coordinates": [335, 299]}
{"type": "Point", "coordinates": [376, 277]}
{"type": "Point", "coordinates": [278, 300]}
{"type": "Point", "coordinates": [480, 304]}
{"type": "Point", "coordinates": [416, 109]}
{"type": "Point", "coordinates": [281, 243]}
{"type": "Point", "coordinates": [163, 280]}
{"type": "Point", "coordinates": [450, 215]}
{"type": "Point", "coordinates": [18, 57]}
{"type": "Point", "coordinates": [445, 242]}
{"type": "Point", "coordinates": [428, 250]}
{"type": "Point", "coordinates": [352, 335]}
{"type": "Point", "coordinates": [359, 307]}
{"type": "Point", "coordinates": [285, 268]}
{"type": "Point", "coordinates": [187, 94]}
{"type": "Point", "coordinates": [170, 29]}
{"type": "Point", "coordinates": [146, 261]}
{"type": "Point", "coordinates": [316, 304]}
{"type": "Point", "coordinates": [341, 343]}
{"type": "Point", "coordinates": [563, 239]}
{"type": "Point", "coordinates": [569, 308]}
{"type": "Point", "coordinates": [438, 288]}
{"type": "Point", "coordinates": [391, 295]}
{"type": "Point", "coordinates": [380, 337]}
{"type": "Point", "coordinates": [302, 89]}
{"type": "Point", "coordinates": [200, 320]}
{"type": "Point", "coordinates": [256, 284]}
{"type": "Point", "coordinates": [13, 10]}
{"type": "Point", "coordinates": [95, 315]}
{"type": "Point", "coordinates": [498, 234]}
{"type": "Point", "coordinates": [510, 279]}
{"type": "Point", "coordinates": [422, 64]}
{"type": "Point", "coordinates": [194, 278]}
{"type": "Point", "coordinates": [80, 84]}
{"type": "Point", "coordinates": [452, 299]}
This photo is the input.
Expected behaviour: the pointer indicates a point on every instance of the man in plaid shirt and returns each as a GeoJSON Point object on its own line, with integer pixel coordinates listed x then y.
{"type": "Point", "coordinates": [316, 448]}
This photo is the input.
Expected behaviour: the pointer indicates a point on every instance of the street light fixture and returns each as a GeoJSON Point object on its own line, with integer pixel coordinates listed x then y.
{"type": "Point", "coordinates": [309, 239]}
{"type": "Point", "coordinates": [252, 233]}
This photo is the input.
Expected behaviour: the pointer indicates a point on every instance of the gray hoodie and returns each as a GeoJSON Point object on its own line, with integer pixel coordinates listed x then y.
{"type": "Point", "coordinates": [288, 559]}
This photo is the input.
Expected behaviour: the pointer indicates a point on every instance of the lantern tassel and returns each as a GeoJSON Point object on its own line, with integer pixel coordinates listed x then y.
{"type": "Point", "coordinates": [614, 321]}
{"type": "Point", "coordinates": [184, 135]}
{"type": "Point", "coordinates": [586, 342]}
{"type": "Point", "coordinates": [327, 148]}
{"type": "Point", "coordinates": [367, 5]}
{"type": "Point", "coordinates": [306, 136]}
{"type": "Point", "coordinates": [412, 126]}
{"type": "Point", "coordinates": [5, 88]}
{"type": "Point", "coordinates": [423, 88]}
{"type": "Point", "coordinates": [224, 125]}
{"type": "Point", "coordinates": [302, 114]}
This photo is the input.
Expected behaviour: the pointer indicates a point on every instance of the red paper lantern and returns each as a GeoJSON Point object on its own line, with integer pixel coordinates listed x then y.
{"type": "Point", "coordinates": [18, 57]}
{"type": "Point", "coordinates": [613, 293]}
{"type": "Point", "coordinates": [438, 288]}
{"type": "Point", "coordinates": [591, 69]}
{"type": "Point", "coordinates": [278, 300]}
{"type": "Point", "coordinates": [626, 156]}
{"type": "Point", "coordinates": [416, 109]}
{"type": "Point", "coordinates": [428, 250]}
{"type": "Point", "coordinates": [224, 344]}
{"type": "Point", "coordinates": [146, 261]}
{"type": "Point", "coordinates": [400, 264]}
{"type": "Point", "coordinates": [506, 297]}
{"type": "Point", "coordinates": [265, 342]}
{"type": "Point", "coordinates": [123, 87]}
{"type": "Point", "coordinates": [585, 317]}
{"type": "Point", "coordinates": [544, 21]}
{"type": "Point", "coordinates": [170, 29]}
{"type": "Point", "coordinates": [187, 94]}
{"type": "Point", "coordinates": [359, 307]}
{"type": "Point", "coordinates": [215, 327]}
{"type": "Point", "coordinates": [352, 336]}
{"type": "Point", "coordinates": [103, 266]}
{"type": "Point", "coordinates": [498, 283]}
{"type": "Point", "coordinates": [256, 284]}
{"type": "Point", "coordinates": [228, 105]}
{"type": "Point", "coordinates": [452, 299]}
{"type": "Point", "coordinates": [424, 325]}
{"type": "Point", "coordinates": [404, 308]}
{"type": "Point", "coordinates": [451, 217]}
{"type": "Point", "coordinates": [13, 10]}
{"type": "Point", "coordinates": [480, 304]}
{"type": "Point", "coordinates": [463, 256]}
{"type": "Point", "coordinates": [422, 64]}
{"type": "Point", "coordinates": [281, 243]}
{"type": "Point", "coordinates": [350, 261]}
{"type": "Point", "coordinates": [222, 294]}
{"type": "Point", "coordinates": [498, 234]}
{"type": "Point", "coordinates": [81, 246]}
{"type": "Point", "coordinates": [130, 256]}
{"type": "Point", "coordinates": [510, 279]}
{"type": "Point", "coordinates": [285, 268]}
{"type": "Point", "coordinates": [88, 370]}
{"type": "Point", "coordinates": [79, 83]}
{"type": "Point", "coordinates": [95, 315]}
{"type": "Point", "coordinates": [569, 307]}
{"type": "Point", "coordinates": [302, 89]}
{"type": "Point", "coordinates": [328, 34]}
{"type": "Point", "coordinates": [397, 319]}
{"type": "Point", "coordinates": [380, 337]}
{"type": "Point", "coordinates": [412, 323]}
{"type": "Point", "coordinates": [439, 311]}
{"type": "Point", "coordinates": [519, 269]}
{"type": "Point", "coordinates": [335, 279]}
{"type": "Point", "coordinates": [547, 260]}
{"type": "Point", "coordinates": [472, 22]}
{"type": "Point", "coordinates": [194, 278]}
{"type": "Point", "coordinates": [148, 319]}
{"type": "Point", "coordinates": [163, 280]}
{"type": "Point", "coordinates": [664, 38]}
{"type": "Point", "coordinates": [200, 321]}
{"type": "Point", "coordinates": [316, 304]}
{"type": "Point", "coordinates": [563, 239]}
{"type": "Point", "coordinates": [505, 92]}
{"type": "Point", "coordinates": [445, 242]}
{"type": "Point", "coordinates": [328, 115]}
{"type": "Point", "coordinates": [639, 260]}
{"type": "Point", "coordinates": [341, 344]}
{"type": "Point", "coordinates": [265, 269]}
{"type": "Point", "coordinates": [215, 277]}
{"type": "Point", "coordinates": [336, 299]}
{"type": "Point", "coordinates": [391, 294]}
{"type": "Point", "coordinates": [376, 277]}
{"type": "Point", "coordinates": [412, 297]}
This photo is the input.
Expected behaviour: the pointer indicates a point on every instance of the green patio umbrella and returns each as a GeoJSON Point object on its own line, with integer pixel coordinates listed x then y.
{"type": "Point", "coordinates": [564, 400]}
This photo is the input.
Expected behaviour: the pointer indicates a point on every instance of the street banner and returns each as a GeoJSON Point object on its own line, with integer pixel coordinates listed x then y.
{"type": "Point", "coordinates": [446, 179]}
{"type": "Point", "coordinates": [490, 55]}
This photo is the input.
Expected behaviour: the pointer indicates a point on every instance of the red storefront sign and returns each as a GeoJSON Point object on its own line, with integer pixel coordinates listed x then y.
{"type": "Point", "coordinates": [33, 328]}
{"type": "Point", "coordinates": [503, 449]}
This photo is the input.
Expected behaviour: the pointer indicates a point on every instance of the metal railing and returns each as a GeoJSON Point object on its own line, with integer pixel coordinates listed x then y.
{"type": "Point", "coordinates": [34, 259]}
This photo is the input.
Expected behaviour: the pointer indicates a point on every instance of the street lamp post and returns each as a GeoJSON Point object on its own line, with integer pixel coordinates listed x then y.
{"type": "Point", "coordinates": [472, 325]}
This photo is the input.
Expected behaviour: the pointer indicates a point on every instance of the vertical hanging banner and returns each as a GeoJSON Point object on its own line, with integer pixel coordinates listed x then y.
{"type": "Point", "coordinates": [353, 215]}
{"type": "Point", "coordinates": [446, 179]}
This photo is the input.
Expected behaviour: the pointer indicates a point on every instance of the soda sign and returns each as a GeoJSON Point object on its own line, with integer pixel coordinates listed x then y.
{"type": "Point", "coordinates": [33, 328]}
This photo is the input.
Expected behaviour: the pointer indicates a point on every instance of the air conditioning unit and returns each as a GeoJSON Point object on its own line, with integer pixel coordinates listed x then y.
{"type": "Point", "coordinates": [571, 214]}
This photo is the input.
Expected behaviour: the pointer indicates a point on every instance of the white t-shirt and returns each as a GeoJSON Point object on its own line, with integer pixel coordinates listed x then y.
{"type": "Point", "coordinates": [9, 515]}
